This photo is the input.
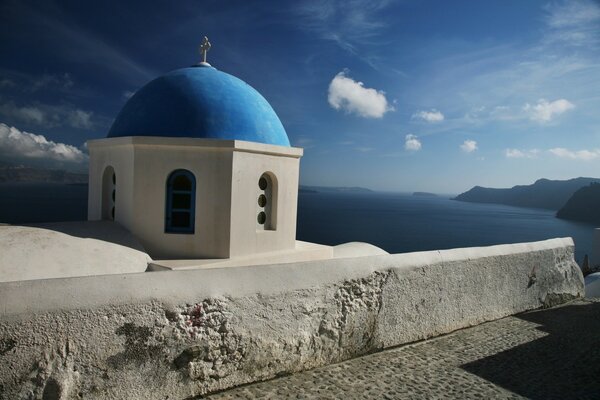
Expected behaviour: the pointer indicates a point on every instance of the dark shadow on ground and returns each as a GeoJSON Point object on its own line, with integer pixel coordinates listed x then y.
{"type": "Point", "coordinates": [563, 365]}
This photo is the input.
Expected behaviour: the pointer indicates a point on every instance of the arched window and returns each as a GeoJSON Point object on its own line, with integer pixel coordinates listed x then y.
{"type": "Point", "coordinates": [267, 202]}
{"type": "Point", "coordinates": [109, 186]}
{"type": "Point", "coordinates": [181, 202]}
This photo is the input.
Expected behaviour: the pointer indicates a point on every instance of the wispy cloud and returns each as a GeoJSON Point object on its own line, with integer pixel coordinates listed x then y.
{"type": "Point", "coordinates": [348, 23]}
{"type": "Point", "coordinates": [545, 111]}
{"type": "Point", "coordinates": [574, 22]}
{"type": "Point", "coordinates": [585, 155]}
{"type": "Point", "coordinates": [412, 143]}
{"type": "Point", "coordinates": [20, 146]}
{"type": "Point", "coordinates": [469, 146]}
{"type": "Point", "coordinates": [304, 142]}
{"type": "Point", "coordinates": [7, 83]}
{"type": "Point", "coordinates": [429, 116]}
{"type": "Point", "coordinates": [560, 152]}
{"type": "Point", "coordinates": [78, 44]}
{"type": "Point", "coordinates": [353, 97]}
{"type": "Point", "coordinates": [516, 153]}
{"type": "Point", "coordinates": [48, 115]}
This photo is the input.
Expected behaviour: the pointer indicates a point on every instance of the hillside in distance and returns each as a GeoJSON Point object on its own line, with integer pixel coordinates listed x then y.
{"type": "Point", "coordinates": [18, 174]}
{"type": "Point", "coordinates": [544, 193]}
{"type": "Point", "coordinates": [584, 205]}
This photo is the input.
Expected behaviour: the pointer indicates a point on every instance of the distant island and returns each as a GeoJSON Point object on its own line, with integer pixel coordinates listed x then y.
{"type": "Point", "coordinates": [332, 189]}
{"type": "Point", "coordinates": [22, 174]}
{"type": "Point", "coordinates": [424, 194]}
{"type": "Point", "coordinates": [584, 205]}
{"type": "Point", "coordinates": [544, 193]}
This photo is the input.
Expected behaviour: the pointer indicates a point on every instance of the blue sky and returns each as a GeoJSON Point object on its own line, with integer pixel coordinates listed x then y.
{"type": "Point", "coordinates": [392, 95]}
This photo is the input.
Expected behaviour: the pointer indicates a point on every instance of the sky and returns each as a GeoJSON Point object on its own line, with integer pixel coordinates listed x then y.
{"type": "Point", "coordinates": [413, 95]}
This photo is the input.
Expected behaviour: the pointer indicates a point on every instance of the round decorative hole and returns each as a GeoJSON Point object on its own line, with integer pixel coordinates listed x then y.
{"type": "Point", "coordinates": [262, 183]}
{"type": "Point", "coordinates": [262, 200]}
{"type": "Point", "coordinates": [262, 218]}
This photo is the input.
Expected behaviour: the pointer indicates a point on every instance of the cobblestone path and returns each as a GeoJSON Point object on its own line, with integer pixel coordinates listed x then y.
{"type": "Point", "coordinates": [548, 354]}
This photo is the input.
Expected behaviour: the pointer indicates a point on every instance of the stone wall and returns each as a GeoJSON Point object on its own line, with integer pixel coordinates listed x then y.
{"type": "Point", "coordinates": [180, 334]}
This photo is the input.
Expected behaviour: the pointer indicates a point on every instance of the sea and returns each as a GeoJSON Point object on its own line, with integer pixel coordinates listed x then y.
{"type": "Point", "coordinates": [396, 222]}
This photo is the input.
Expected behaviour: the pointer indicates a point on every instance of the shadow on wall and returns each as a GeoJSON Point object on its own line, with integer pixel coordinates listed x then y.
{"type": "Point", "coordinates": [563, 365]}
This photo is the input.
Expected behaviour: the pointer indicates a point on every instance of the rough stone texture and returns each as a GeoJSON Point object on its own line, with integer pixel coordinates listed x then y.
{"type": "Point", "coordinates": [180, 334]}
{"type": "Point", "coordinates": [548, 354]}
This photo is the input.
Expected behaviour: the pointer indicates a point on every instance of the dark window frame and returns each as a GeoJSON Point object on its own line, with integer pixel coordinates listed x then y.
{"type": "Point", "coordinates": [169, 210]}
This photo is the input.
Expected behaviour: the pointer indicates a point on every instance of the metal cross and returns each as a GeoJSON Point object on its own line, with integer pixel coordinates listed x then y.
{"type": "Point", "coordinates": [204, 48]}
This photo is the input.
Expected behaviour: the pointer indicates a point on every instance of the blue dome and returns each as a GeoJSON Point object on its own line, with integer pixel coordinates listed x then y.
{"type": "Point", "coordinates": [200, 102]}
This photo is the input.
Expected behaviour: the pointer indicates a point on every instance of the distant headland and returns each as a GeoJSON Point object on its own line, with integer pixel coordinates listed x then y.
{"type": "Point", "coordinates": [544, 193]}
{"type": "Point", "coordinates": [424, 194]}
{"type": "Point", "coordinates": [584, 205]}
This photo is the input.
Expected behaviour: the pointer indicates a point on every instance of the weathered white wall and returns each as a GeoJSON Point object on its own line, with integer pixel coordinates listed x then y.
{"type": "Point", "coordinates": [120, 157]}
{"type": "Point", "coordinates": [226, 173]}
{"type": "Point", "coordinates": [246, 237]}
{"type": "Point", "coordinates": [595, 256]}
{"type": "Point", "coordinates": [211, 167]}
{"type": "Point", "coordinates": [185, 333]}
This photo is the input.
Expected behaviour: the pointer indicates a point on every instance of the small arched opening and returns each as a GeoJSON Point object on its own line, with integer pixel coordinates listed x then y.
{"type": "Point", "coordinates": [266, 217]}
{"type": "Point", "coordinates": [181, 202]}
{"type": "Point", "coordinates": [109, 193]}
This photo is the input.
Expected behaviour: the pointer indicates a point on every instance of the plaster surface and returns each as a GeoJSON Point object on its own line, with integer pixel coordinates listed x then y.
{"type": "Point", "coordinates": [357, 249]}
{"type": "Point", "coordinates": [592, 285]}
{"type": "Point", "coordinates": [227, 173]}
{"type": "Point", "coordinates": [303, 251]}
{"type": "Point", "coordinates": [187, 333]}
{"type": "Point", "coordinates": [57, 250]}
{"type": "Point", "coordinates": [595, 256]}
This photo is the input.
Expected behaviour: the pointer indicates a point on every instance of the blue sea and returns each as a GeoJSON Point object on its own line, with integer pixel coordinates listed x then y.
{"type": "Point", "coordinates": [396, 222]}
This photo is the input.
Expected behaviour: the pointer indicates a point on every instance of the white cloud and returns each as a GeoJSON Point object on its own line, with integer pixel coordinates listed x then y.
{"type": "Point", "coordinates": [47, 115]}
{"type": "Point", "coordinates": [429, 116]}
{"type": "Point", "coordinates": [80, 119]}
{"type": "Point", "coordinates": [469, 146]}
{"type": "Point", "coordinates": [544, 111]}
{"type": "Point", "coordinates": [516, 153]}
{"type": "Point", "coordinates": [30, 115]}
{"type": "Point", "coordinates": [585, 155]}
{"type": "Point", "coordinates": [17, 145]}
{"type": "Point", "coordinates": [128, 94]}
{"type": "Point", "coordinates": [412, 143]}
{"type": "Point", "coordinates": [351, 96]}
{"type": "Point", "coordinates": [364, 149]}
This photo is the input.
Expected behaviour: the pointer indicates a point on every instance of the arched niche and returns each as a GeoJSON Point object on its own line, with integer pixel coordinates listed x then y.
{"type": "Point", "coordinates": [266, 217]}
{"type": "Point", "coordinates": [109, 193]}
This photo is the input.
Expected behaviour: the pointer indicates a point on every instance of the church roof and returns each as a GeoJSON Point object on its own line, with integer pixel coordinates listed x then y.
{"type": "Point", "coordinates": [200, 102]}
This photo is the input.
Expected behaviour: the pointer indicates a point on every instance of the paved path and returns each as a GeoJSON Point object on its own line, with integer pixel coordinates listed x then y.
{"type": "Point", "coordinates": [549, 354]}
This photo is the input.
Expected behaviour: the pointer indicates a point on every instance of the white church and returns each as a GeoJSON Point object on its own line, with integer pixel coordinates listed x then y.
{"type": "Point", "coordinates": [196, 171]}
{"type": "Point", "coordinates": [197, 165]}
